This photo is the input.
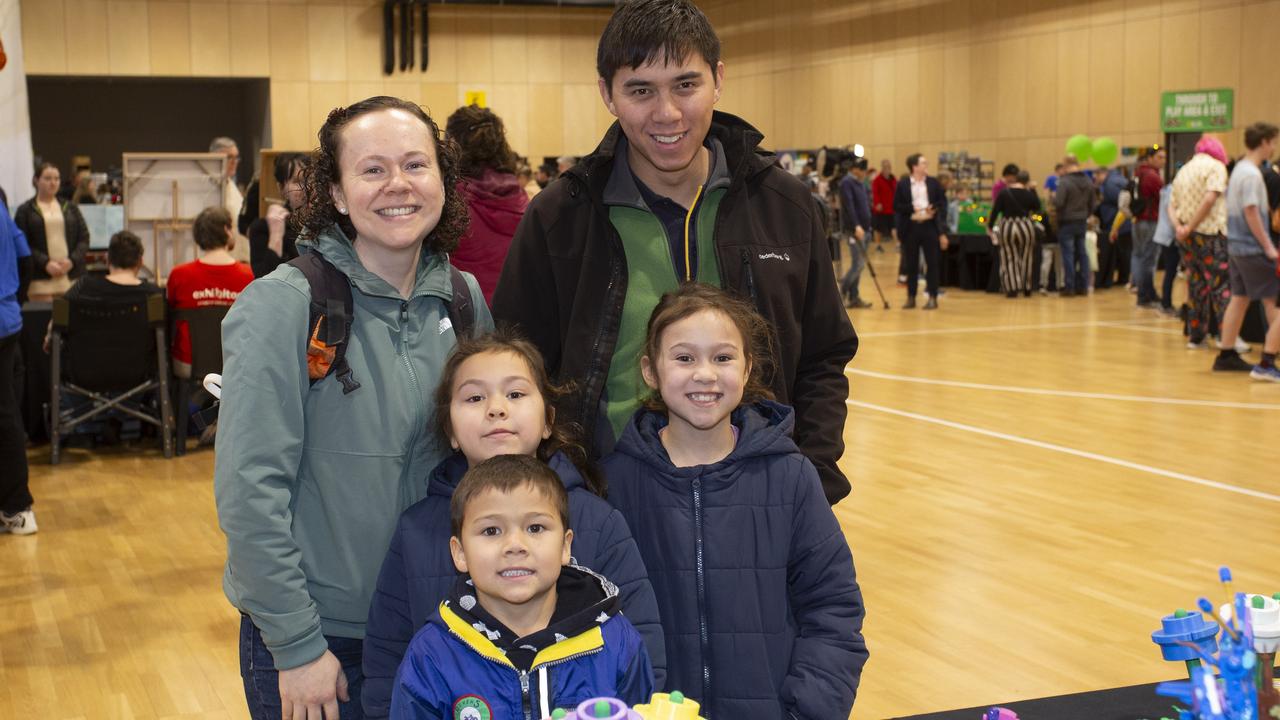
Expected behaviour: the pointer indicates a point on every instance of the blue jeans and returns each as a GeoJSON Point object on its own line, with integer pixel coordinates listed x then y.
{"type": "Point", "coordinates": [262, 682]}
{"type": "Point", "coordinates": [1071, 240]}
{"type": "Point", "coordinates": [1170, 256]}
{"type": "Point", "coordinates": [857, 263]}
{"type": "Point", "coordinates": [1145, 251]}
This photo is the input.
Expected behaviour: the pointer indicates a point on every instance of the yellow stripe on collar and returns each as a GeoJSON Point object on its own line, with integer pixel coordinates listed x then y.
{"type": "Point", "coordinates": [588, 641]}
{"type": "Point", "coordinates": [473, 637]}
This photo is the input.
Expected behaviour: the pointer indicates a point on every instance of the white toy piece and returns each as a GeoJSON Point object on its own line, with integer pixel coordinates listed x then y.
{"type": "Point", "coordinates": [1266, 623]}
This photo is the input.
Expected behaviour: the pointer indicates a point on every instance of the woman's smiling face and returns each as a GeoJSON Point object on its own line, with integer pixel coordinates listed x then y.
{"type": "Point", "coordinates": [389, 179]}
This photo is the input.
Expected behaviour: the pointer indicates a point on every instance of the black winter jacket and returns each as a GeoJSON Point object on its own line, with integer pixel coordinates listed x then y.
{"type": "Point", "coordinates": [755, 582]}
{"type": "Point", "coordinates": [565, 280]}
{"type": "Point", "coordinates": [31, 222]}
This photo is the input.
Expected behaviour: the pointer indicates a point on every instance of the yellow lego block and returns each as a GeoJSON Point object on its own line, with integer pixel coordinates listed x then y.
{"type": "Point", "coordinates": [669, 707]}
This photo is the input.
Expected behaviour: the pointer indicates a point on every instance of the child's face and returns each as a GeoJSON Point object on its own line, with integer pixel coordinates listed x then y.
{"type": "Point", "coordinates": [513, 545]}
{"type": "Point", "coordinates": [700, 371]}
{"type": "Point", "coordinates": [496, 408]}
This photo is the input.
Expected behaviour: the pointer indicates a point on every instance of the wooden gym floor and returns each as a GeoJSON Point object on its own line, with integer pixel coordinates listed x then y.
{"type": "Point", "coordinates": [1035, 482]}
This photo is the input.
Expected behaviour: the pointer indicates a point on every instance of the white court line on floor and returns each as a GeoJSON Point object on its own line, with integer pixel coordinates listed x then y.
{"type": "Point", "coordinates": [1064, 393]}
{"type": "Point", "coordinates": [1005, 328]}
{"type": "Point", "coordinates": [1138, 328]}
{"type": "Point", "coordinates": [1070, 451]}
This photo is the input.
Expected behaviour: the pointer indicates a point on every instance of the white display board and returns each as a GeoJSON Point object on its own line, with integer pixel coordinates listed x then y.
{"type": "Point", "coordinates": [163, 193]}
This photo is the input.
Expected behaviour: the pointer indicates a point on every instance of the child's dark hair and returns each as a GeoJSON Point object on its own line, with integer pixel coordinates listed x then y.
{"type": "Point", "coordinates": [482, 141]}
{"type": "Point", "coordinates": [504, 473]}
{"type": "Point", "coordinates": [643, 31]}
{"type": "Point", "coordinates": [691, 299]}
{"type": "Point", "coordinates": [318, 212]}
{"type": "Point", "coordinates": [210, 228]}
{"type": "Point", "coordinates": [124, 250]}
{"type": "Point", "coordinates": [564, 436]}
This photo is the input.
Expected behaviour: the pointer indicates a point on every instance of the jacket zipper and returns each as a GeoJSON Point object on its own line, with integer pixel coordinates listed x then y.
{"type": "Point", "coordinates": [413, 377]}
{"type": "Point", "coordinates": [525, 700]}
{"type": "Point", "coordinates": [748, 277]}
{"type": "Point", "coordinates": [703, 634]}
{"type": "Point", "coordinates": [591, 397]}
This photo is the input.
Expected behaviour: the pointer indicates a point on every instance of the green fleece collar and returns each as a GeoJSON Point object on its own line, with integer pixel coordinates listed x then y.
{"type": "Point", "coordinates": [432, 277]}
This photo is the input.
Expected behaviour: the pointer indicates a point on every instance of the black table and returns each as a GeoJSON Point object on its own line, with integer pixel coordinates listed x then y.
{"type": "Point", "coordinates": [1135, 702]}
{"type": "Point", "coordinates": [970, 263]}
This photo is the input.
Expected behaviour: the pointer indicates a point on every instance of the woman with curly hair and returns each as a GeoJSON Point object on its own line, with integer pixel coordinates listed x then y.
{"type": "Point", "coordinates": [311, 475]}
{"type": "Point", "coordinates": [495, 198]}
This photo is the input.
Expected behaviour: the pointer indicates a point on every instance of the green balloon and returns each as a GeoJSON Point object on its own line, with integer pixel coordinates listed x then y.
{"type": "Point", "coordinates": [1105, 151]}
{"type": "Point", "coordinates": [1080, 146]}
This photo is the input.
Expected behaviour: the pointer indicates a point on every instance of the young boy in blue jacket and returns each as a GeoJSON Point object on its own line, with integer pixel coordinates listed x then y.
{"type": "Point", "coordinates": [523, 632]}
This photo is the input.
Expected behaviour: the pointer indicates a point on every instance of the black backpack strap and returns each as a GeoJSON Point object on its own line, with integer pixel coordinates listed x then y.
{"type": "Point", "coordinates": [462, 309]}
{"type": "Point", "coordinates": [329, 316]}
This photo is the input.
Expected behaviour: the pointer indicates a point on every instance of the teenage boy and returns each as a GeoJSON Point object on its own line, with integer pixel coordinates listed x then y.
{"type": "Point", "coordinates": [1252, 256]}
{"type": "Point", "coordinates": [517, 609]}
{"type": "Point", "coordinates": [920, 203]}
{"type": "Point", "coordinates": [676, 192]}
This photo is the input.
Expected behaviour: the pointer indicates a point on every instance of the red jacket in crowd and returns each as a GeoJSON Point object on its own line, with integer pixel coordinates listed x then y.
{"type": "Point", "coordinates": [495, 202]}
{"type": "Point", "coordinates": [882, 188]}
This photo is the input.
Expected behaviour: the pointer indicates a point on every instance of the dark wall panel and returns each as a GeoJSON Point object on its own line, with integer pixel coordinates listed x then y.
{"type": "Point", "coordinates": [105, 117]}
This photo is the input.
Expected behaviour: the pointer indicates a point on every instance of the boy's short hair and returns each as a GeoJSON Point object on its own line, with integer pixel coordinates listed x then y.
{"type": "Point", "coordinates": [210, 228]}
{"type": "Point", "coordinates": [124, 250]}
{"type": "Point", "coordinates": [642, 31]}
{"type": "Point", "coordinates": [912, 160]}
{"type": "Point", "coordinates": [505, 473]}
{"type": "Point", "coordinates": [1258, 133]}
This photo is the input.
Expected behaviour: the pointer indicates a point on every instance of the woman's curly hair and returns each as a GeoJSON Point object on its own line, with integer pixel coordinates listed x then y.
{"type": "Point", "coordinates": [318, 212]}
{"type": "Point", "coordinates": [482, 141]}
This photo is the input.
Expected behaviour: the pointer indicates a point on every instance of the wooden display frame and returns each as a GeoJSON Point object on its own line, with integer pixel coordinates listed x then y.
{"type": "Point", "coordinates": [163, 193]}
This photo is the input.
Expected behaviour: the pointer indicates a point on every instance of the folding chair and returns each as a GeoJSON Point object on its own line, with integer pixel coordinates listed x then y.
{"type": "Point", "coordinates": [114, 355]}
{"type": "Point", "coordinates": [204, 327]}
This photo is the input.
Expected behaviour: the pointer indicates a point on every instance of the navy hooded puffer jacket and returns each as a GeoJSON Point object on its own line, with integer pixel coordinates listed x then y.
{"type": "Point", "coordinates": [754, 578]}
{"type": "Point", "coordinates": [418, 574]}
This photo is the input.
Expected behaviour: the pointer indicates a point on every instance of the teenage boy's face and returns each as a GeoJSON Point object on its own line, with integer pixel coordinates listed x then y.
{"type": "Point", "coordinates": [513, 545]}
{"type": "Point", "coordinates": [665, 110]}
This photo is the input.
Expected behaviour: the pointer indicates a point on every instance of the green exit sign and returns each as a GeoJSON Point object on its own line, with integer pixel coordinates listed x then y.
{"type": "Point", "coordinates": [1196, 110]}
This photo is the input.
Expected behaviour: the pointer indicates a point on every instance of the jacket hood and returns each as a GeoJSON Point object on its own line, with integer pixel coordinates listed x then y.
{"type": "Point", "coordinates": [333, 244]}
{"type": "Point", "coordinates": [584, 602]}
{"type": "Point", "coordinates": [495, 199]}
{"type": "Point", "coordinates": [764, 428]}
{"type": "Point", "coordinates": [740, 139]}
{"type": "Point", "coordinates": [445, 477]}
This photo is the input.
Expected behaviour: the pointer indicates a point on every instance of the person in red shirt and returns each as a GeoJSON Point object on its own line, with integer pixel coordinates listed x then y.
{"type": "Point", "coordinates": [214, 278]}
{"type": "Point", "coordinates": [495, 198]}
{"type": "Point", "coordinates": [882, 189]}
{"type": "Point", "coordinates": [1145, 249]}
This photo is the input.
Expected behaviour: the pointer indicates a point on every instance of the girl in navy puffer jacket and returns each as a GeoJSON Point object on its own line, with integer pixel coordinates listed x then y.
{"type": "Point", "coordinates": [493, 400]}
{"type": "Point", "coordinates": [755, 582]}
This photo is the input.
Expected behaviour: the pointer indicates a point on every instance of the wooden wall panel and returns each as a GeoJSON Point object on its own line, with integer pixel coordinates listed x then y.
{"type": "Point", "coordinates": [363, 39]}
{"type": "Point", "coordinates": [327, 53]}
{"type": "Point", "coordinates": [1221, 36]}
{"type": "Point", "coordinates": [984, 79]}
{"type": "Point", "coordinates": [580, 34]}
{"type": "Point", "coordinates": [443, 66]}
{"type": "Point", "coordinates": [287, 46]}
{"type": "Point", "coordinates": [579, 135]}
{"type": "Point", "coordinates": [510, 101]}
{"type": "Point", "coordinates": [170, 38]}
{"type": "Point", "coordinates": [511, 47]}
{"type": "Point", "coordinates": [1042, 87]}
{"type": "Point", "coordinates": [906, 97]}
{"type": "Point", "coordinates": [1141, 96]}
{"type": "Point", "coordinates": [86, 30]}
{"type": "Point", "coordinates": [1179, 54]}
{"type": "Point", "coordinates": [128, 38]}
{"type": "Point", "coordinates": [44, 37]}
{"type": "Point", "coordinates": [322, 98]}
{"type": "Point", "coordinates": [883, 116]}
{"type": "Point", "coordinates": [546, 127]}
{"type": "Point", "coordinates": [959, 93]}
{"type": "Point", "coordinates": [291, 124]}
{"type": "Point", "coordinates": [210, 39]}
{"type": "Point", "coordinates": [1073, 82]}
{"type": "Point", "coordinates": [1256, 96]}
{"type": "Point", "coordinates": [1106, 80]}
{"type": "Point", "coordinates": [475, 48]}
{"type": "Point", "coordinates": [250, 40]}
{"type": "Point", "coordinates": [544, 47]}
{"type": "Point", "coordinates": [1011, 89]}
{"type": "Point", "coordinates": [440, 99]}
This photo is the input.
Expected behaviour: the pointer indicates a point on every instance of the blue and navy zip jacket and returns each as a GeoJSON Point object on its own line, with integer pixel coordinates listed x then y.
{"type": "Point", "coordinates": [754, 578]}
{"type": "Point", "coordinates": [418, 573]}
{"type": "Point", "coordinates": [465, 659]}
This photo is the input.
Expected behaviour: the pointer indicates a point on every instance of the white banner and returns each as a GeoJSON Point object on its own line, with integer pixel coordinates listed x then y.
{"type": "Point", "coordinates": [16, 157]}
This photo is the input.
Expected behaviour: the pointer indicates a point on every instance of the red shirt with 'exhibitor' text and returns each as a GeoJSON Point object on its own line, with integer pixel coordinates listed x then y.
{"type": "Point", "coordinates": [196, 284]}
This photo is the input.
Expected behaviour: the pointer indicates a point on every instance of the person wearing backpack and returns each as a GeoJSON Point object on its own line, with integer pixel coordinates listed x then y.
{"type": "Point", "coordinates": [330, 362]}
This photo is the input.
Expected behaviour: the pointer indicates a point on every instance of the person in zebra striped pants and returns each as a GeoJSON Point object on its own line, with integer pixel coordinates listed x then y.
{"type": "Point", "coordinates": [1015, 234]}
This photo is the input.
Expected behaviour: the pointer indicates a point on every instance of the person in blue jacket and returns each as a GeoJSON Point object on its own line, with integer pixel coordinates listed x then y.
{"type": "Point", "coordinates": [755, 582]}
{"type": "Point", "coordinates": [523, 631]}
{"type": "Point", "coordinates": [494, 397]}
